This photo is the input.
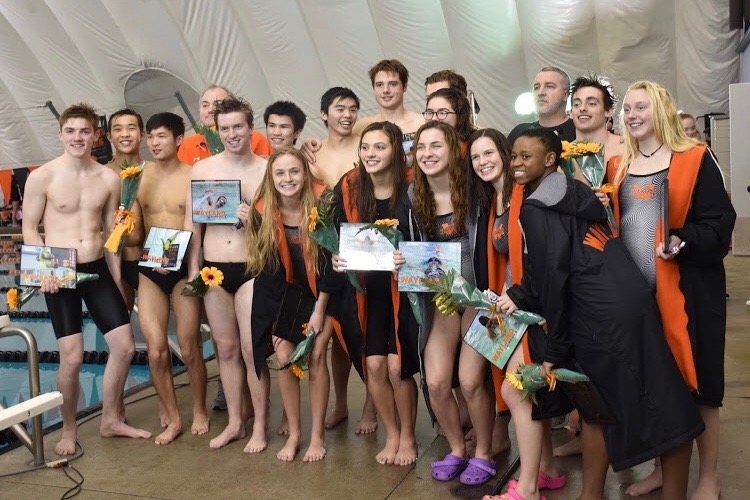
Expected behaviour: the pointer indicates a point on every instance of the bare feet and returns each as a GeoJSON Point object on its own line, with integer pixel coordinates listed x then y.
{"type": "Point", "coordinates": [574, 447]}
{"type": "Point", "coordinates": [120, 429]}
{"type": "Point", "coordinates": [283, 429]}
{"type": "Point", "coordinates": [407, 452]}
{"type": "Point", "coordinates": [163, 418]}
{"type": "Point", "coordinates": [173, 430]}
{"type": "Point", "coordinates": [367, 424]}
{"type": "Point", "coordinates": [228, 435]}
{"type": "Point", "coordinates": [388, 454]}
{"type": "Point", "coordinates": [67, 444]}
{"type": "Point", "coordinates": [647, 485]}
{"type": "Point", "coordinates": [200, 424]}
{"type": "Point", "coordinates": [257, 442]}
{"type": "Point", "coordinates": [500, 439]}
{"type": "Point", "coordinates": [290, 449]}
{"type": "Point", "coordinates": [706, 490]}
{"type": "Point", "coordinates": [336, 417]}
{"type": "Point", "coordinates": [316, 451]}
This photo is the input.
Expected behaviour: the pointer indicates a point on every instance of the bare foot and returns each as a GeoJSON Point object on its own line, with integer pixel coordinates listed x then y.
{"type": "Point", "coordinates": [336, 417]}
{"type": "Point", "coordinates": [316, 451]}
{"type": "Point", "coordinates": [574, 447]}
{"type": "Point", "coordinates": [120, 429]}
{"type": "Point", "coordinates": [283, 429]}
{"type": "Point", "coordinates": [407, 453]}
{"type": "Point", "coordinates": [200, 424]}
{"type": "Point", "coordinates": [228, 435]}
{"type": "Point", "coordinates": [471, 435]}
{"type": "Point", "coordinates": [471, 446]}
{"type": "Point", "coordinates": [67, 444]}
{"type": "Point", "coordinates": [647, 485]}
{"type": "Point", "coordinates": [290, 449]}
{"type": "Point", "coordinates": [366, 425]}
{"type": "Point", "coordinates": [173, 430]}
{"type": "Point", "coordinates": [706, 490]}
{"type": "Point", "coordinates": [163, 417]}
{"type": "Point", "coordinates": [500, 443]}
{"type": "Point", "coordinates": [388, 454]}
{"type": "Point", "coordinates": [257, 442]}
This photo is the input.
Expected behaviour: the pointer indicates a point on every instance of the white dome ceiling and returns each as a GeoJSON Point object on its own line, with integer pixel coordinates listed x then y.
{"type": "Point", "coordinates": [97, 50]}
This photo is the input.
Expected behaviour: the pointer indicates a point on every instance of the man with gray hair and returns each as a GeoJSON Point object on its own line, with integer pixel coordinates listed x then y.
{"type": "Point", "coordinates": [551, 90]}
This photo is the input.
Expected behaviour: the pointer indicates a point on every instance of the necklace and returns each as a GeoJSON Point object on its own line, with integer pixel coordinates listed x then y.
{"type": "Point", "coordinates": [652, 154]}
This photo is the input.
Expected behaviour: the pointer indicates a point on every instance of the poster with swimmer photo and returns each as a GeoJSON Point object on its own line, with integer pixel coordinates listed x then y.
{"type": "Point", "coordinates": [368, 250]}
{"type": "Point", "coordinates": [39, 262]}
{"type": "Point", "coordinates": [426, 260]}
{"type": "Point", "coordinates": [215, 202]}
{"type": "Point", "coordinates": [165, 248]}
{"type": "Point", "coordinates": [498, 345]}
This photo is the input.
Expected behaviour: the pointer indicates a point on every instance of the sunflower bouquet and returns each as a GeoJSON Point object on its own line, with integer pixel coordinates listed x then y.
{"type": "Point", "coordinates": [213, 140]}
{"type": "Point", "coordinates": [389, 229]}
{"type": "Point", "coordinates": [322, 230]}
{"type": "Point", "coordinates": [584, 160]}
{"type": "Point", "coordinates": [124, 217]}
{"type": "Point", "coordinates": [298, 359]}
{"type": "Point", "coordinates": [15, 298]}
{"type": "Point", "coordinates": [203, 281]}
{"type": "Point", "coordinates": [529, 379]}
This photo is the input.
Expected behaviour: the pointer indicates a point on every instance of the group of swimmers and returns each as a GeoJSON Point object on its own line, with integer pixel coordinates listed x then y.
{"type": "Point", "coordinates": [621, 305]}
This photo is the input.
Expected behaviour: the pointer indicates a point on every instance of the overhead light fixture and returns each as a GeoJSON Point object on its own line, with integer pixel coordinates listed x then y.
{"type": "Point", "coordinates": [525, 104]}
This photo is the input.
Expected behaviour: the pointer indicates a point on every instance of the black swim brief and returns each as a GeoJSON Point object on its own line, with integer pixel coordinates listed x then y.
{"type": "Point", "coordinates": [166, 282]}
{"type": "Point", "coordinates": [102, 297]}
{"type": "Point", "coordinates": [234, 274]}
{"type": "Point", "coordinates": [129, 270]}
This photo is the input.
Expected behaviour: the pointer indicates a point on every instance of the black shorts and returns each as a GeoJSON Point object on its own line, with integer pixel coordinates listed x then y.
{"type": "Point", "coordinates": [103, 300]}
{"type": "Point", "coordinates": [129, 270]}
{"type": "Point", "coordinates": [166, 282]}
{"type": "Point", "coordinates": [234, 274]}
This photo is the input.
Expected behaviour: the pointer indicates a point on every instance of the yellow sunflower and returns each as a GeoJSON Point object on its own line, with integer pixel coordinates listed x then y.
{"type": "Point", "coordinates": [12, 299]}
{"type": "Point", "coordinates": [129, 172]}
{"type": "Point", "coordinates": [514, 380]}
{"type": "Point", "coordinates": [297, 371]}
{"type": "Point", "coordinates": [386, 222]}
{"type": "Point", "coordinates": [313, 219]}
{"type": "Point", "coordinates": [551, 381]}
{"type": "Point", "coordinates": [212, 276]}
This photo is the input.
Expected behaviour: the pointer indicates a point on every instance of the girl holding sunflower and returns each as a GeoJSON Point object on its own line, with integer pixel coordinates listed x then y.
{"type": "Point", "coordinates": [281, 254]}
{"type": "Point", "coordinates": [367, 193]}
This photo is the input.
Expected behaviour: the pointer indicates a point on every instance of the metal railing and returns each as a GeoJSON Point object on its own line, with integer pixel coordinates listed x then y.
{"type": "Point", "coordinates": [35, 442]}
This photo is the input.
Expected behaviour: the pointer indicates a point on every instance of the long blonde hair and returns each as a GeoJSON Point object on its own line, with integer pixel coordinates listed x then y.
{"type": "Point", "coordinates": [668, 126]}
{"type": "Point", "coordinates": [262, 241]}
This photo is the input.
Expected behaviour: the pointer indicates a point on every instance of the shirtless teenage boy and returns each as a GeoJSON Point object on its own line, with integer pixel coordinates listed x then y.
{"type": "Point", "coordinates": [75, 197]}
{"type": "Point", "coordinates": [284, 123]}
{"type": "Point", "coordinates": [161, 201]}
{"type": "Point", "coordinates": [224, 247]}
{"type": "Point", "coordinates": [125, 132]}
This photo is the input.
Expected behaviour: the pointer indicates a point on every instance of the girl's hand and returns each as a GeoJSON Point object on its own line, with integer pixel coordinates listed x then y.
{"type": "Point", "coordinates": [398, 261]}
{"type": "Point", "coordinates": [602, 197]}
{"type": "Point", "coordinates": [317, 319]}
{"type": "Point", "coordinates": [675, 245]}
{"type": "Point", "coordinates": [339, 264]}
{"type": "Point", "coordinates": [506, 305]}
{"type": "Point", "coordinates": [275, 341]}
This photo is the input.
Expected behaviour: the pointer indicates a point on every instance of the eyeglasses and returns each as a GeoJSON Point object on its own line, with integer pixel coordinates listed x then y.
{"type": "Point", "coordinates": [440, 114]}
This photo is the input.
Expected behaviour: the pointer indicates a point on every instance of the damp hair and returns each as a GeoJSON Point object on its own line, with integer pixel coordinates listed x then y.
{"type": "Point", "coordinates": [80, 110]}
{"type": "Point", "coordinates": [330, 96]}
{"type": "Point", "coordinates": [125, 112]}
{"type": "Point", "coordinates": [609, 99]}
{"type": "Point", "coordinates": [455, 80]}
{"type": "Point", "coordinates": [286, 108]}
{"type": "Point", "coordinates": [262, 253]}
{"type": "Point", "coordinates": [424, 199]}
{"type": "Point", "coordinates": [390, 66]}
{"type": "Point", "coordinates": [172, 122]}
{"type": "Point", "coordinates": [233, 104]}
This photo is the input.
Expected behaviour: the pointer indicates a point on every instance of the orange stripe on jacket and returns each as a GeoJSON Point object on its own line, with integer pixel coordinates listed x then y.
{"type": "Point", "coordinates": [683, 174]}
{"type": "Point", "coordinates": [496, 270]}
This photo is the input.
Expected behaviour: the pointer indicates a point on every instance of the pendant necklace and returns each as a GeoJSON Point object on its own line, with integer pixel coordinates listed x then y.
{"type": "Point", "coordinates": [652, 154]}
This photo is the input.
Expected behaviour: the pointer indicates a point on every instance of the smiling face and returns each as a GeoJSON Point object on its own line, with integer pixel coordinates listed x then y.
{"type": "Point", "coordinates": [288, 175]}
{"type": "Point", "coordinates": [280, 131]}
{"type": "Point", "coordinates": [234, 132]}
{"type": "Point", "coordinates": [432, 153]}
{"type": "Point", "coordinates": [690, 128]}
{"type": "Point", "coordinates": [530, 161]}
{"type": "Point", "coordinates": [376, 152]}
{"type": "Point", "coordinates": [125, 135]}
{"type": "Point", "coordinates": [342, 115]}
{"type": "Point", "coordinates": [389, 91]}
{"type": "Point", "coordinates": [486, 160]}
{"type": "Point", "coordinates": [162, 144]}
{"type": "Point", "coordinates": [637, 114]}
{"type": "Point", "coordinates": [78, 136]}
{"type": "Point", "coordinates": [440, 104]}
{"type": "Point", "coordinates": [550, 94]}
{"type": "Point", "coordinates": [588, 111]}
{"type": "Point", "coordinates": [208, 105]}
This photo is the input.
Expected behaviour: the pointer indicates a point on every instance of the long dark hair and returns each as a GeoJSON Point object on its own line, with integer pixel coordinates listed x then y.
{"type": "Point", "coordinates": [360, 185]}
{"type": "Point", "coordinates": [480, 190]}
{"type": "Point", "coordinates": [424, 199]}
{"type": "Point", "coordinates": [461, 106]}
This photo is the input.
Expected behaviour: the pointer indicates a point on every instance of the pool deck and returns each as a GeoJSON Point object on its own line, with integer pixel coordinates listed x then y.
{"type": "Point", "coordinates": [187, 468]}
